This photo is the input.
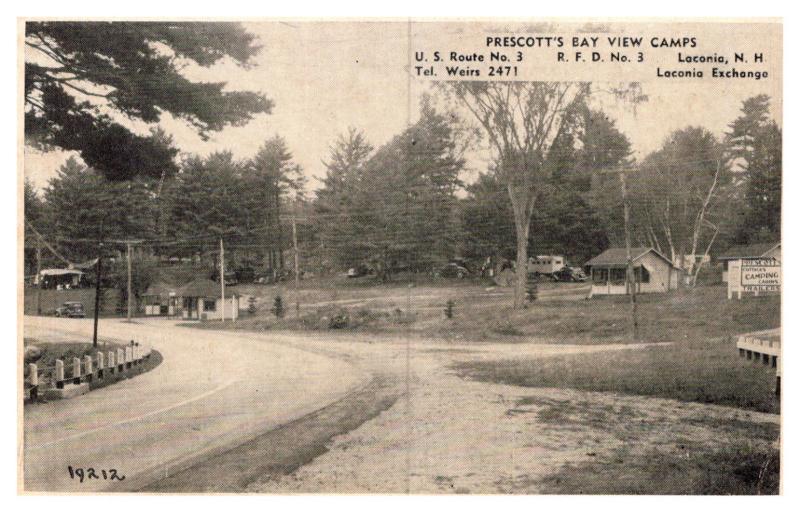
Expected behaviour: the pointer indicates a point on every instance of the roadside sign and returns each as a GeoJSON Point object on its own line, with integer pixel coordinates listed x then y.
{"type": "Point", "coordinates": [761, 275]}
{"type": "Point", "coordinates": [757, 275]}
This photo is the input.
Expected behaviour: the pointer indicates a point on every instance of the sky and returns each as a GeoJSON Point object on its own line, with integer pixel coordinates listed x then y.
{"type": "Point", "coordinates": [326, 77]}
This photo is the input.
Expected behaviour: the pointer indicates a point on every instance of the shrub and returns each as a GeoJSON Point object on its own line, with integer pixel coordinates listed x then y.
{"type": "Point", "coordinates": [448, 309]}
{"type": "Point", "coordinates": [340, 320]}
{"type": "Point", "coordinates": [277, 307]}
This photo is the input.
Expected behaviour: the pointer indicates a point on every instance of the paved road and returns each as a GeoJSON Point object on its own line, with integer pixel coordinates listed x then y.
{"type": "Point", "coordinates": [213, 390]}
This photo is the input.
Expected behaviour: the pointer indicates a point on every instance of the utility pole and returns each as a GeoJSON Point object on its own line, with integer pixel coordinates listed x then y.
{"type": "Point", "coordinates": [222, 275]}
{"type": "Point", "coordinates": [38, 277]}
{"type": "Point", "coordinates": [97, 294]}
{"type": "Point", "coordinates": [296, 263]}
{"type": "Point", "coordinates": [130, 285]}
{"type": "Point", "coordinates": [630, 280]}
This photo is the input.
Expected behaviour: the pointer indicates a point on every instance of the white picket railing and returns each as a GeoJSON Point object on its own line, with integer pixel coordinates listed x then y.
{"type": "Point", "coordinates": [101, 366]}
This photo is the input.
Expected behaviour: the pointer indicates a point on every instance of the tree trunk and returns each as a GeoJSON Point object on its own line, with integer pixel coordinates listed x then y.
{"type": "Point", "coordinates": [523, 224]}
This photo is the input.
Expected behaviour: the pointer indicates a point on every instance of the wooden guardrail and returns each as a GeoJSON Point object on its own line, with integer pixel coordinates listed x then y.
{"type": "Point", "coordinates": [101, 366]}
{"type": "Point", "coordinates": [763, 347]}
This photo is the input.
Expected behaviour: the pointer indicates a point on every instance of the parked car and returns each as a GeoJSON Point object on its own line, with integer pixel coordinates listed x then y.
{"type": "Point", "coordinates": [245, 275]}
{"type": "Point", "coordinates": [71, 310]}
{"type": "Point", "coordinates": [570, 275]}
{"type": "Point", "coordinates": [230, 278]}
{"type": "Point", "coordinates": [453, 269]}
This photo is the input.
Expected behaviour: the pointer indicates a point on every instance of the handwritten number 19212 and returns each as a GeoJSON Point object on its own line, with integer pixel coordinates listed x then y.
{"type": "Point", "coordinates": [82, 475]}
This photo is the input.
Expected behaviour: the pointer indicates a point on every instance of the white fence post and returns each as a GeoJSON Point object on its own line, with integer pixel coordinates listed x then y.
{"type": "Point", "coordinates": [33, 376]}
{"type": "Point", "coordinates": [59, 374]}
{"type": "Point", "coordinates": [76, 370]}
{"type": "Point", "coordinates": [120, 359]}
{"type": "Point", "coordinates": [111, 364]}
{"type": "Point", "coordinates": [128, 356]}
{"type": "Point", "coordinates": [87, 365]}
{"type": "Point", "coordinates": [100, 365]}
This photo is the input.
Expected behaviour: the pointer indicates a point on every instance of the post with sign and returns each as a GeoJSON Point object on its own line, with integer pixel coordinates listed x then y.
{"type": "Point", "coordinates": [754, 276]}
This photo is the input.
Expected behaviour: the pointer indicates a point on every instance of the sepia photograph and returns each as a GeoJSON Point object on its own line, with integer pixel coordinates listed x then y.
{"type": "Point", "coordinates": [400, 256]}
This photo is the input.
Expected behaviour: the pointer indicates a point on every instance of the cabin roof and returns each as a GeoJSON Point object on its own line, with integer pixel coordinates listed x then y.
{"type": "Point", "coordinates": [617, 257]}
{"type": "Point", "coordinates": [748, 251]}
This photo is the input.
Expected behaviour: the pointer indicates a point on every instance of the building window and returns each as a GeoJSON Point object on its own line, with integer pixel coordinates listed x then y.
{"type": "Point", "coordinates": [617, 276]}
{"type": "Point", "coordinates": [642, 275]}
{"type": "Point", "coordinates": [209, 305]}
{"type": "Point", "coordinates": [600, 275]}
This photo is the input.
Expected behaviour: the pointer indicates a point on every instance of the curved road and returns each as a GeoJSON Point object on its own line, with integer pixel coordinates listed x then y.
{"type": "Point", "coordinates": [212, 391]}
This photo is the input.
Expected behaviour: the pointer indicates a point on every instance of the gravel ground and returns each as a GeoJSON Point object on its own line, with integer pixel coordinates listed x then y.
{"type": "Point", "coordinates": [449, 435]}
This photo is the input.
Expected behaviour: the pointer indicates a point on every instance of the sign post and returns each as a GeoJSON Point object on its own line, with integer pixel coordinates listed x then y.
{"type": "Point", "coordinates": [755, 275]}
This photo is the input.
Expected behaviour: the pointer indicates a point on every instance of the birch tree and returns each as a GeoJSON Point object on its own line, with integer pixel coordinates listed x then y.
{"type": "Point", "coordinates": [680, 193]}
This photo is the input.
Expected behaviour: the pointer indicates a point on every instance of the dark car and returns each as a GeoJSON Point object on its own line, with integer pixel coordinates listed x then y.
{"type": "Point", "coordinates": [453, 269]}
{"type": "Point", "coordinates": [71, 310]}
{"type": "Point", "coordinates": [230, 278]}
{"type": "Point", "coordinates": [245, 275]}
{"type": "Point", "coordinates": [569, 275]}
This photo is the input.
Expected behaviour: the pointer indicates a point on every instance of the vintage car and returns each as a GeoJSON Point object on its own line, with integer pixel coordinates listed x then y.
{"type": "Point", "coordinates": [570, 274]}
{"type": "Point", "coordinates": [71, 310]}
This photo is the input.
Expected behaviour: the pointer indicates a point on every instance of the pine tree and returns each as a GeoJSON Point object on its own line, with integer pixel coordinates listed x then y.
{"type": "Point", "coordinates": [117, 65]}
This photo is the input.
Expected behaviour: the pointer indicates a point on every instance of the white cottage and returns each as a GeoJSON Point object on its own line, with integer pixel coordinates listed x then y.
{"type": "Point", "coordinates": [653, 272]}
{"type": "Point", "coordinates": [162, 299]}
{"type": "Point", "coordinates": [202, 300]}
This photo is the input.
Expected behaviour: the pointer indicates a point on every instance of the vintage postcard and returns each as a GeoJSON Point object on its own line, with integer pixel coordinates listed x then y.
{"type": "Point", "coordinates": [389, 256]}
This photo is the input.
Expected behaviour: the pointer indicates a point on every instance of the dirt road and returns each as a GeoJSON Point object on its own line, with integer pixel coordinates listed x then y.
{"type": "Point", "coordinates": [214, 390]}
{"type": "Point", "coordinates": [327, 412]}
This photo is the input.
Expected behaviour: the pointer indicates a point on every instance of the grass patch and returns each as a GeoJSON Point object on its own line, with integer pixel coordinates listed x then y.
{"type": "Point", "coordinates": [692, 371]}
{"type": "Point", "coordinates": [486, 313]}
{"type": "Point", "coordinates": [737, 470]}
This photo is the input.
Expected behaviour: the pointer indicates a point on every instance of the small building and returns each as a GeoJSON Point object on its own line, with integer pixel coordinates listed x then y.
{"type": "Point", "coordinates": [762, 251]}
{"type": "Point", "coordinates": [653, 272]}
{"type": "Point", "coordinates": [162, 299]}
{"type": "Point", "coordinates": [546, 264]}
{"type": "Point", "coordinates": [60, 278]}
{"type": "Point", "coordinates": [202, 300]}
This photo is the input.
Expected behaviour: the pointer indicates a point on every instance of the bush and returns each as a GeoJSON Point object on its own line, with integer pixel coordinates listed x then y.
{"type": "Point", "coordinates": [277, 307]}
{"type": "Point", "coordinates": [448, 309]}
{"type": "Point", "coordinates": [341, 320]}
{"type": "Point", "coordinates": [508, 330]}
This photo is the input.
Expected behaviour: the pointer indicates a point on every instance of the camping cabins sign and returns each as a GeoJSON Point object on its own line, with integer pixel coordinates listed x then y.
{"type": "Point", "coordinates": [754, 275]}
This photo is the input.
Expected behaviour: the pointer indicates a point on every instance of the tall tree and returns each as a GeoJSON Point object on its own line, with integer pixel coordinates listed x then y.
{"type": "Point", "coordinates": [335, 200]}
{"type": "Point", "coordinates": [522, 120]}
{"type": "Point", "coordinates": [82, 207]}
{"type": "Point", "coordinates": [679, 194]}
{"type": "Point", "coordinates": [574, 219]}
{"type": "Point", "coordinates": [398, 208]}
{"type": "Point", "coordinates": [763, 196]}
{"type": "Point", "coordinates": [206, 204]}
{"type": "Point", "coordinates": [273, 177]}
{"type": "Point", "coordinates": [755, 146]}
{"type": "Point", "coordinates": [33, 211]}
{"type": "Point", "coordinates": [744, 130]}
{"type": "Point", "coordinates": [82, 77]}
